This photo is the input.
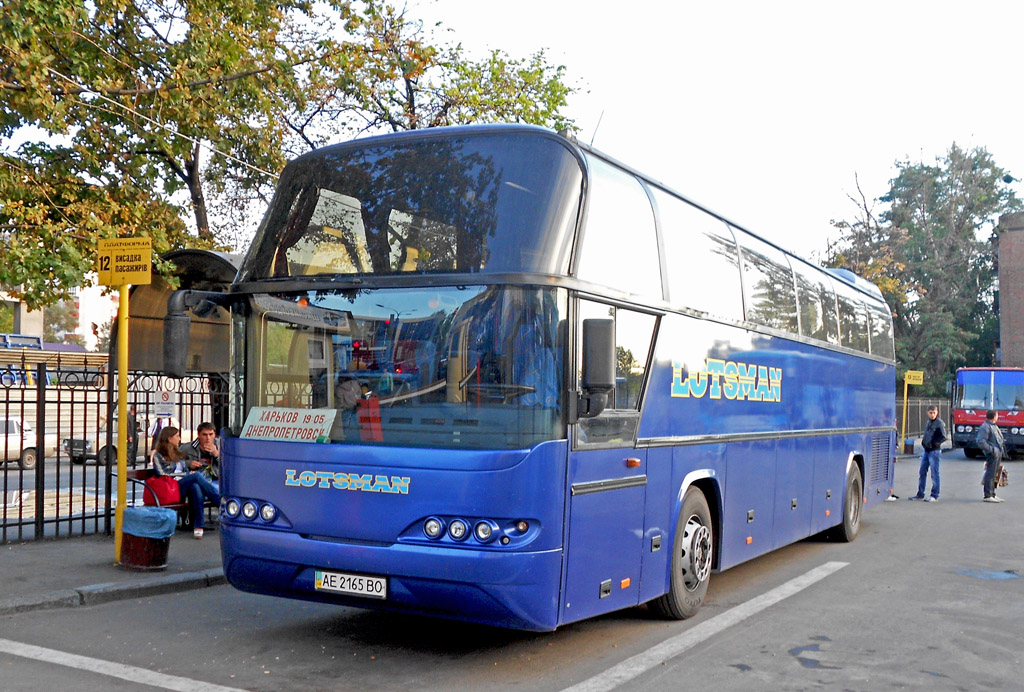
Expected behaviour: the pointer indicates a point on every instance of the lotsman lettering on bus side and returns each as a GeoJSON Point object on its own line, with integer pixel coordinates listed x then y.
{"type": "Point", "coordinates": [734, 380]}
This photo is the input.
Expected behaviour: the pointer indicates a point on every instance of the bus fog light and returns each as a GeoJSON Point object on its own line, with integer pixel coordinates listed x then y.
{"type": "Point", "coordinates": [484, 531]}
{"type": "Point", "coordinates": [232, 508]}
{"type": "Point", "coordinates": [505, 540]}
{"type": "Point", "coordinates": [433, 527]}
{"type": "Point", "coordinates": [267, 512]}
{"type": "Point", "coordinates": [249, 509]}
{"type": "Point", "coordinates": [457, 529]}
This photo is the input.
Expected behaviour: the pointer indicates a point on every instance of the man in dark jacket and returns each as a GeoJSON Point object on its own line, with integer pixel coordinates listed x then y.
{"type": "Point", "coordinates": [990, 439]}
{"type": "Point", "coordinates": [934, 436]}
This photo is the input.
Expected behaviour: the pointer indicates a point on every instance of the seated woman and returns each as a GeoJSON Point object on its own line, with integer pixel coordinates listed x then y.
{"type": "Point", "coordinates": [168, 461]}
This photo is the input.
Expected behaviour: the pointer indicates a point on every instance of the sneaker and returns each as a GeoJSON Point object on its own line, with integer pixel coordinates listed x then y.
{"type": "Point", "coordinates": [998, 499]}
{"type": "Point", "coordinates": [197, 534]}
{"type": "Point", "coordinates": [931, 499]}
{"type": "Point", "coordinates": [916, 497]}
{"type": "Point", "coordinates": [992, 499]}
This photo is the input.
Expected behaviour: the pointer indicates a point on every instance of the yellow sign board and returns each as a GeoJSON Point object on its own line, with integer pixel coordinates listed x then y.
{"type": "Point", "coordinates": [914, 377]}
{"type": "Point", "coordinates": [125, 261]}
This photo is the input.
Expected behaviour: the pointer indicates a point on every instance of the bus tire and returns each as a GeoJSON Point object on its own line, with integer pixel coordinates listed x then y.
{"type": "Point", "coordinates": [853, 501]}
{"type": "Point", "coordinates": [28, 458]}
{"type": "Point", "coordinates": [692, 557]}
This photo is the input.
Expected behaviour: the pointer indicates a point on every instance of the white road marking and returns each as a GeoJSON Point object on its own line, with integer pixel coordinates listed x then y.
{"type": "Point", "coordinates": [653, 657]}
{"type": "Point", "coordinates": [114, 670]}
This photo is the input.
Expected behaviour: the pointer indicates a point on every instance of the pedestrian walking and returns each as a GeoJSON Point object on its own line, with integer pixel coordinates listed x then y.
{"type": "Point", "coordinates": [990, 439]}
{"type": "Point", "coordinates": [932, 439]}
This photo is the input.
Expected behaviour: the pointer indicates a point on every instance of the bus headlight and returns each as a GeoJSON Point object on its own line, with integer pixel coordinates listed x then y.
{"type": "Point", "coordinates": [968, 428]}
{"type": "Point", "coordinates": [232, 508]}
{"type": "Point", "coordinates": [484, 531]}
{"type": "Point", "coordinates": [249, 509]}
{"type": "Point", "coordinates": [457, 529]}
{"type": "Point", "coordinates": [267, 512]}
{"type": "Point", "coordinates": [433, 528]}
{"type": "Point", "coordinates": [1015, 430]}
{"type": "Point", "coordinates": [959, 428]}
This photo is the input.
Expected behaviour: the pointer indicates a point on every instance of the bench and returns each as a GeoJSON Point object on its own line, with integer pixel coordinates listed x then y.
{"type": "Point", "coordinates": [139, 476]}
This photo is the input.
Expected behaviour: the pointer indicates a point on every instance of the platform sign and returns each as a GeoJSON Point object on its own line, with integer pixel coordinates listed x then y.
{"type": "Point", "coordinates": [914, 377]}
{"type": "Point", "coordinates": [121, 261]}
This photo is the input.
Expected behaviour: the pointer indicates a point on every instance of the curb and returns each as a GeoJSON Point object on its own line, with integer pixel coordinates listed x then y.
{"type": "Point", "coordinates": [113, 591]}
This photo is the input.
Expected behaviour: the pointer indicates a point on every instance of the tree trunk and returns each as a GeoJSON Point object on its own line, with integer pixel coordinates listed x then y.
{"type": "Point", "coordinates": [195, 189]}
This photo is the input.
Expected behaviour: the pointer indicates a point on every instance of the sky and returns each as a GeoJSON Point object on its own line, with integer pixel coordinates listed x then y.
{"type": "Point", "coordinates": [769, 112]}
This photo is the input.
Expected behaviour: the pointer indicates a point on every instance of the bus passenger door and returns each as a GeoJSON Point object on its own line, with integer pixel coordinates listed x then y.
{"type": "Point", "coordinates": [606, 523]}
{"type": "Point", "coordinates": [608, 480]}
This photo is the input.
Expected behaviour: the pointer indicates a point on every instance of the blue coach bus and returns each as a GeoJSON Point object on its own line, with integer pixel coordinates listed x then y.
{"type": "Point", "coordinates": [488, 373]}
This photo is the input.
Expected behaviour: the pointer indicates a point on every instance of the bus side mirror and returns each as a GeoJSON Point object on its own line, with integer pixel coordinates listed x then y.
{"type": "Point", "coordinates": [598, 378]}
{"type": "Point", "coordinates": [177, 325]}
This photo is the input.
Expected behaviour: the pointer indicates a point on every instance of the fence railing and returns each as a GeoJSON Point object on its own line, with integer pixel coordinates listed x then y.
{"type": "Point", "coordinates": [917, 414]}
{"type": "Point", "coordinates": [58, 424]}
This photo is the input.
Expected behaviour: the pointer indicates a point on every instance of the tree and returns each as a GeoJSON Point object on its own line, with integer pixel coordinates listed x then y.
{"type": "Point", "coordinates": [930, 253]}
{"type": "Point", "coordinates": [142, 100]}
{"type": "Point", "coordinates": [59, 322]}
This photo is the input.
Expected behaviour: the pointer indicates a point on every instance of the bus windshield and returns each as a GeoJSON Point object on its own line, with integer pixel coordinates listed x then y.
{"type": "Point", "coordinates": [476, 203]}
{"type": "Point", "coordinates": [459, 367]}
{"type": "Point", "coordinates": [991, 389]}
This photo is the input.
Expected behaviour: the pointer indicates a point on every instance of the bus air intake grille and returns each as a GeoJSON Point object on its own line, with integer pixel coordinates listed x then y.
{"type": "Point", "coordinates": [879, 459]}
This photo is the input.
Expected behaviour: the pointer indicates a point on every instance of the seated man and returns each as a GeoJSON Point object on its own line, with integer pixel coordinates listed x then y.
{"type": "Point", "coordinates": [203, 454]}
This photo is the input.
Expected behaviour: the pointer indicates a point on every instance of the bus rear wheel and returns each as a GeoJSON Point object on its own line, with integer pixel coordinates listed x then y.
{"type": "Point", "coordinates": [692, 554]}
{"type": "Point", "coordinates": [852, 504]}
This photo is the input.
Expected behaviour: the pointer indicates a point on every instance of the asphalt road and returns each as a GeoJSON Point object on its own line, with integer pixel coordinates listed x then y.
{"type": "Point", "coordinates": [929, 597]}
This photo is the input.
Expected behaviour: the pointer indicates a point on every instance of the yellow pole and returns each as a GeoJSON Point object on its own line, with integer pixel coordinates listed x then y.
{"type": "Point", "coordinates": [903, 438]}
{"type": "Point", "coordinates": [122, 418]}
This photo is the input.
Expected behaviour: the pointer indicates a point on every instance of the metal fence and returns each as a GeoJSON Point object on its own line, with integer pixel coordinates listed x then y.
{"type": "Point", "coordinates": [66, 406]}
{"type": "Point", "coordinates": [917, 414]}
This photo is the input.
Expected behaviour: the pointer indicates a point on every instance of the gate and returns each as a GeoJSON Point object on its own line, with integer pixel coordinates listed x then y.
{"type": "Point", "coordinates": [64, 404]}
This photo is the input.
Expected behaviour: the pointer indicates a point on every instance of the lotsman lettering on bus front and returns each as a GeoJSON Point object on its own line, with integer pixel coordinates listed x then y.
{"type": "Point", "coordinates": [394, 485]}
{"type": "Point", "coordinates": [734, 380]}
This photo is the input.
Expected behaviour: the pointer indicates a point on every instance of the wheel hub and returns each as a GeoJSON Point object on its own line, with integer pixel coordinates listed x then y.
{"type": "Point", "coordinates": [697, 551]}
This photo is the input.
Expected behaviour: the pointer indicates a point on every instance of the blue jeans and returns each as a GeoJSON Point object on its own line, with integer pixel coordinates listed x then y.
{"type": "Point", "coordinates": [194, 487]}
{"type": "Point", "coordinates": [929, 460]}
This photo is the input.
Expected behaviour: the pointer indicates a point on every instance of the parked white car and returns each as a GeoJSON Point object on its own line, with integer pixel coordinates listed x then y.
{"type": "Point", "coordinates": [19, 443]}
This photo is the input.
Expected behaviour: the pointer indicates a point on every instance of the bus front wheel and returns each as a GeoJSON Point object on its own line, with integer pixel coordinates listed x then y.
{"type": "Point", "coordinates": [692, 553]}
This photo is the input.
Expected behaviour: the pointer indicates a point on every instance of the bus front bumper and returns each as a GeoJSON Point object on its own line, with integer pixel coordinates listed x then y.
{"type": "Point", "coordinates": [508, 589]}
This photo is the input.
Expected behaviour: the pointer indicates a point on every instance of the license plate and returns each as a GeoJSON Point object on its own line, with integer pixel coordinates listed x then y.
{"type": "Point", "coordinates": [352, 584]}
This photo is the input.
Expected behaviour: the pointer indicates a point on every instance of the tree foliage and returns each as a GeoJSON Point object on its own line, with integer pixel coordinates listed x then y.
{"type": "Point", "coordinates": [931, 253]}
{"type": "Point", "coordinates": [159, 115]}
{"type": "Point", "coordinates": [59, 322]}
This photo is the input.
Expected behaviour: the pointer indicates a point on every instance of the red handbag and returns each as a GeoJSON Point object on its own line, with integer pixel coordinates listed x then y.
{"type": "Point", "coordinates": [161, 490]}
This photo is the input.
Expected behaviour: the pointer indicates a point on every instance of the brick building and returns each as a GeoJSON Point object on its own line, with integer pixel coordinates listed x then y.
{"type": "Point", "coordinates": [1011, 289]}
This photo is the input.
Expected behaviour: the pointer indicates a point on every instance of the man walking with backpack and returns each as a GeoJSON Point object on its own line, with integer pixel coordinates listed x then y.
{"type": "Point", "coordinates": [934, 436]}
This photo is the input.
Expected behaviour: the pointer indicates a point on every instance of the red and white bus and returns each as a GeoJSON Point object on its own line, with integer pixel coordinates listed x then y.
{"type": "Point", "coordinates": [979, 390]}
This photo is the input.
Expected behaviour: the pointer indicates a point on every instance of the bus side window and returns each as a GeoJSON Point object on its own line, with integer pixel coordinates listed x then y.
{"type": "Point", "coordinates": [768, 284]}
{"type": "Point", "coordinates": [634, 333]}
{"type": "Point", "coordinates": [853, 319]}
{"type": "Point", "coordinates": [702, 259]}
{"type": "Point", "coordinates": [620, 243]}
